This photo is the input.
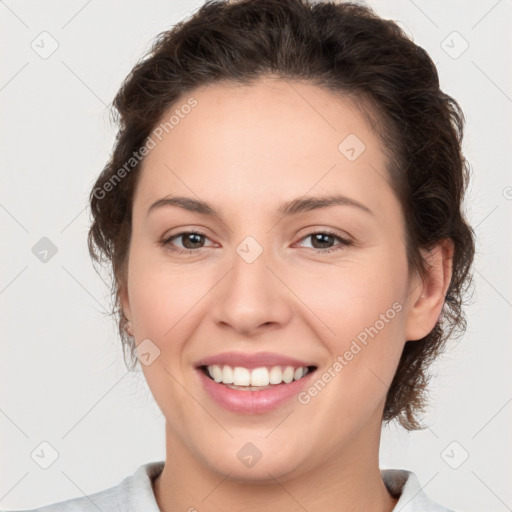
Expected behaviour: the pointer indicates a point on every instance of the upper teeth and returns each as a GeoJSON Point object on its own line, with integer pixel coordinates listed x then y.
{"type": "Point", "coordinates": [240, 376]}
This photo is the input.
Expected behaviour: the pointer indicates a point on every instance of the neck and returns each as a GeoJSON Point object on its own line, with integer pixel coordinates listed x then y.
{"type": "Point", "coordinates": [348, 480]}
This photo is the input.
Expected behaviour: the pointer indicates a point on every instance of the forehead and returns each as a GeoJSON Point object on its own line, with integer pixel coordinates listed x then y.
{"type": "Point", "coordinates": [263, 143]}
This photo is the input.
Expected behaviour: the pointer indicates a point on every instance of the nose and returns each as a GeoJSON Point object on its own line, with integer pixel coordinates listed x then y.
{"type": "Point", "coordinates": [252, 297]}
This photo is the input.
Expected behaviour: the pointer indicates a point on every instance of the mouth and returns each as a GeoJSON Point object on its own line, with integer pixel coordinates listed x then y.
{"type": "Point", "coordinates": [253, 383]}
{"type": "Point", "coordinates": [255, 379]}
{"type": "Point", "coordinates": [236, 391]}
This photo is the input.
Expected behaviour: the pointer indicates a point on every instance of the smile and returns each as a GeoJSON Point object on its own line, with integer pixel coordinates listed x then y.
{"type": "Point", "coordinates": [239, 377]}
{"type": "Point", "coordinates": [272, 388]}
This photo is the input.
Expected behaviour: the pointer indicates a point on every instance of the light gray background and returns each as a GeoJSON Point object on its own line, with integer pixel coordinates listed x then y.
{"type": "Point", "coordinates": [63, 380]}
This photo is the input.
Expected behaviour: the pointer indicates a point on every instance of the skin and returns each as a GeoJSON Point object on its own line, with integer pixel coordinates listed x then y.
{"type": "Point", "coordinates": [245, 151]}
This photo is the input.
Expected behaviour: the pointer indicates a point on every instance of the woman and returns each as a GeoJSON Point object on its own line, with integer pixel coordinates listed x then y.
{"type": "Point", "coordinates": [282, 213]}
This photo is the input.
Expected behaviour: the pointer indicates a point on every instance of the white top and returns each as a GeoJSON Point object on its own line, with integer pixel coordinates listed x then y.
{"type": "Point", "coordinates": [135, 494]}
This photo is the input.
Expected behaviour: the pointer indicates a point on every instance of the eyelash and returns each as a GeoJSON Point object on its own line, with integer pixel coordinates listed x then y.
{"type": "Point", "coordinates": [344, 242]}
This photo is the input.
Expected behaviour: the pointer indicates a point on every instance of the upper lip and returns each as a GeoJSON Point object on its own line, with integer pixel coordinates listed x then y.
{"type": "Point", "coordinates": [255, 360]}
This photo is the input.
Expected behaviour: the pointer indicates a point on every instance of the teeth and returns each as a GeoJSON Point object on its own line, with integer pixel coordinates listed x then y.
{"type": "Point", "coordinates": [241, 376]}
{"type": "Point", "coordinates": [276, 375]}
{"type": "Point", "coordinates": [217, 374]}
{"type": "Point", "coordinates": [227, 375]}
{"type": "Point", "coordinates": [288, 374]}
{"type": "Point", "coordinates": [257, 377]}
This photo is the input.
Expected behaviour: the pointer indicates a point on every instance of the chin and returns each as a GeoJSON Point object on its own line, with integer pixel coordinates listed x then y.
{"type": "Point", "coordinates": [255, 463]}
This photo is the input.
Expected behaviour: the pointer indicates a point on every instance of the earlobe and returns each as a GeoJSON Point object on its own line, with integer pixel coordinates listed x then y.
{"type": "Point", "coordinates": [428, 303]}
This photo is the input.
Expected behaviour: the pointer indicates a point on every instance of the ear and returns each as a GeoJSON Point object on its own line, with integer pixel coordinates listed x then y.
{"type": "Point", "coordinates": [428, 297]}
{"type": "Point", "coordinates": [125, 301]}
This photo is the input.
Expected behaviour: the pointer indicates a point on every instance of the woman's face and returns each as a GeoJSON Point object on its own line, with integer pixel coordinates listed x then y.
{"type": "Point", "coordinates": [260, 280]}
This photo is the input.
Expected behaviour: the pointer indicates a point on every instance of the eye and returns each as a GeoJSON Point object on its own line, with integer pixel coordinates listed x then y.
{"type": "Point", "coordinates": [323, 237]}
{"type": "Point", "coordinates": [191, 240]}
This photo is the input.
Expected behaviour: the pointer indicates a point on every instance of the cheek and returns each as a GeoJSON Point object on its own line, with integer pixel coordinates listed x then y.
{"type": "Point", "coordinates": [352, 295]}
{"type": "Point", "coordinates": [161, 295]}
{"type": "Point", "coordinates": [364, 356]}
{"type": "Point", "coordinates": [162, 303]}
{"type": "Point", "coordinates": [364, 307]}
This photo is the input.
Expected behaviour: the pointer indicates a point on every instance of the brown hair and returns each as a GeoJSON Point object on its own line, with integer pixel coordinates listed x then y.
{"type": "Point", "coordinates": [349, 50]}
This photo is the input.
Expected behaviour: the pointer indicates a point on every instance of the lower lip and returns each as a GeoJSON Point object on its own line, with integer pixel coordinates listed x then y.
{"type": "Point", "coordinates": [253, 402]}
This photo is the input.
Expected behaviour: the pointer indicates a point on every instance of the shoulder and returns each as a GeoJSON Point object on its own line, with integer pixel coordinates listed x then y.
{"type": "Point", "coordinates": [405, 485]}
{"type": "Point", "coordinates": [133, 493]}
{"type": "Point", "coordinates": [105, 500]}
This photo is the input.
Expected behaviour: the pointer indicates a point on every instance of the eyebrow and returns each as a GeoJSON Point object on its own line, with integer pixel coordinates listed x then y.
{"type": "Point", "coordinates": [294, 207]}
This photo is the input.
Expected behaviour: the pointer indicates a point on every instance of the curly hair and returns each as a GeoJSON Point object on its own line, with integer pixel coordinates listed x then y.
{"type": "Point", "coordinates": [350, 51]}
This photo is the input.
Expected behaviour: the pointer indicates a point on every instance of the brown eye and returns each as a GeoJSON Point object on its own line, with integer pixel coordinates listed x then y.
{"type": "Point", "coordinates": [191, 242]}
{"type": "Point", "coordinates": [322, 240]}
